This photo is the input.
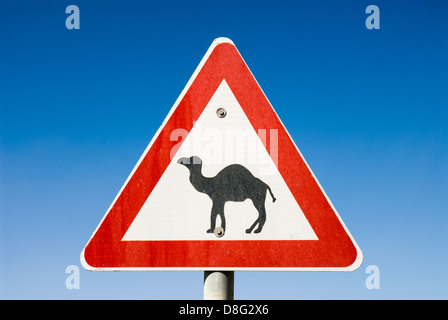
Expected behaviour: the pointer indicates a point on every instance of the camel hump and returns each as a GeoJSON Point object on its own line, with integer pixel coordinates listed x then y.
{"type": "Point", "coordinates": [235, 170]}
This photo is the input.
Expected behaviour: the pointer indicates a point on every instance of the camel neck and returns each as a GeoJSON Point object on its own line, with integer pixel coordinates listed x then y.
{"type": "Point", "coordinates": [198, 181]}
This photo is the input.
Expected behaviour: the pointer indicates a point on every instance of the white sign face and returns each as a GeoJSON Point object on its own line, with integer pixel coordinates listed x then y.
{"type": "Point", "coordinates": [219, 142]}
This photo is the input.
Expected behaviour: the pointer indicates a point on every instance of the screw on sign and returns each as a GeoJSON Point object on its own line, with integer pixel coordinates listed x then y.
{"type": "Point", "coordinates": [221, 213]}
{"type": "Point", "coordinates": [221, 112]}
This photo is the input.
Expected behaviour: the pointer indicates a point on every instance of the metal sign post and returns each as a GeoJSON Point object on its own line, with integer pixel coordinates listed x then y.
{"type": "Point", "coordinates": [218, 285]}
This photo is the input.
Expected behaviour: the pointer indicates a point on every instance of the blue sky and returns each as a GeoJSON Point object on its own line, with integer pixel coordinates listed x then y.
{"type": "Point", "coordinates": [367, 109]}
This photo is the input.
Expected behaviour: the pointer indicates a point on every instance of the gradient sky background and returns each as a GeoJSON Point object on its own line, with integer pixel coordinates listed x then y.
{"type": "Point", "coordinates": [367, 108]}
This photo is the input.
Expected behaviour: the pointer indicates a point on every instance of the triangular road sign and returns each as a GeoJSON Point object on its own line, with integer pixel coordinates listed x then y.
{"type": "Point", "coordinates": [222, 186]}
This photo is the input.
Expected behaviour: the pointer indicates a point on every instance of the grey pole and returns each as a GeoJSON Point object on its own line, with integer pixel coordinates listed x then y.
{"type": "Point", "coordinates": [218, 285]}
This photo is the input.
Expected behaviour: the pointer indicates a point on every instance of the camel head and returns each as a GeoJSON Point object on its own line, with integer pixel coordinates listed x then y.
{"type": "Point", "coordinates": [190, 162]}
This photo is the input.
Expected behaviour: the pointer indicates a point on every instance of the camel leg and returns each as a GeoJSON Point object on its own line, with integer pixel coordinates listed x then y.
{"type": "Point", "coordinates": [213, 215]}
{"type": "Point", "coordinates": [223, 219]}
{"type": "Point", "coordinates": [253, 226]}
{"type": "Point", "coordinates": [217, 208]}
{"type": "Point", "coordinates": [259, 205]}
{"type": "Point", "coordinates": [261, 218]}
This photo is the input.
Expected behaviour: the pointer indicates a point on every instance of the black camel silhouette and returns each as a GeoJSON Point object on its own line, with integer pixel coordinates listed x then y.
{"type": "Point", "coordinates": [233, 183]}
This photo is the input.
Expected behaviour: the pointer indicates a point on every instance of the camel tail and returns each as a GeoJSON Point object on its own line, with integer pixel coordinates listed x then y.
{"type": "Point", "coordinates": [272, 195]}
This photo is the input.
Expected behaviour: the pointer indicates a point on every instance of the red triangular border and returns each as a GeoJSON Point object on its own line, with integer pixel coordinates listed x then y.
{"type": "Point", "coordinates": [335, 249]}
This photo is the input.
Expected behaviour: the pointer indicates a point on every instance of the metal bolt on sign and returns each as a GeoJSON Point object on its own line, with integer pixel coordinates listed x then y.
{"type": "Point", "coordinates": [221, 112]}
{"type": "Point", "coordinates": [219, 232]}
